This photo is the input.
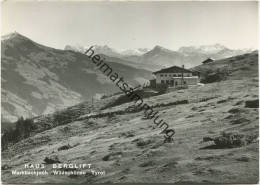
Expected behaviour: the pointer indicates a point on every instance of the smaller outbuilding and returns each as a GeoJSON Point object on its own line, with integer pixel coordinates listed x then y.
{"type": "Point", "coordinates": [209, 60]}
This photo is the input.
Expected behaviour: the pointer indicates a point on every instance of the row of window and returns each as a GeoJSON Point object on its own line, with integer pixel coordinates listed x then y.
{"type": "Point", "coordinates": [173, 75]}
{"type": "Point", "coordinates": [171, 82]}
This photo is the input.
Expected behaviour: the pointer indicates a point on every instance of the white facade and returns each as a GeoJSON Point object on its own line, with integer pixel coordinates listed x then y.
{"type": "Point", "coordinates": [176, 79]}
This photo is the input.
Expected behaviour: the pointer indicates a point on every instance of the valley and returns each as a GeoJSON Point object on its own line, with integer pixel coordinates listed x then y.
{"type": "Point", "coordinates": [39, 80]}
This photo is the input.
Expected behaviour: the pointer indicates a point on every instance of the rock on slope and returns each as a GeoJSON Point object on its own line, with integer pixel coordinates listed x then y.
{"type": "Point", "coordinates": [130, 148]}
{"type": "Point", "coordinates": [37, 79]}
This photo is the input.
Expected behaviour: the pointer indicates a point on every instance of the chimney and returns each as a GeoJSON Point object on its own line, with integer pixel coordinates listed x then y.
{"type": "Point", "coordinates": [182, 81]}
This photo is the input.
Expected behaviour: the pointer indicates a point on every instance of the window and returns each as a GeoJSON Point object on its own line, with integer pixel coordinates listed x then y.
{"type": "Point", "coordinates": [165, 75]}
{"type": "Point", "coordinates": [184, 82]}
{"type": "Point", "coordinates": [167, 82]}
{"type": "Point", "coordinates": [161, 75]}
{"type": "Point", "coordinates": [162, 81]}
{"type": "Point", "coordinates": [179, 75]}
{"type": "Point", "coordinates": [176, 83]}
{"type": "Point", "coordinates": [174, 75]}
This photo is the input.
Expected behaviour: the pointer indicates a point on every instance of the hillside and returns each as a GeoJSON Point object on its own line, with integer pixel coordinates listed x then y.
{"type": "Point", "coordinates": [215, 142]}
{"type": "Point", "coordinates": [38, 80]}
{"type": "Point", "coordinates": [233, 68]}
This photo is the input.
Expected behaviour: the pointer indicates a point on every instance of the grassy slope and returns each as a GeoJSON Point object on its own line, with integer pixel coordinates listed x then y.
{"type": "Point", "coordinates": [238, 67]}
{"type": "Point", "coordinates": [127, 159]}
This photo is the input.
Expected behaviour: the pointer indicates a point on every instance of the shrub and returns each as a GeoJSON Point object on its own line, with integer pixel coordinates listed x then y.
{"type": "Point", "coordinates": [64, 147]}
{"type": "Point", "coordinates": [230, 140]}
{"type": "Point", "coordinates": [252, 103]}
{"type": "Point", "coordinates": [51, 159]}
{"type": "Point", "coordinates": [162, 88]}
{"type": "Point", "coordinates": [23, 128]}
{"type": "Point", "coordinates": [211, 77]}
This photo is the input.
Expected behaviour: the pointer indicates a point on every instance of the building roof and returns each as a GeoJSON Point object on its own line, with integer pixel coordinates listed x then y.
{"type": "Point", "coordinates": [173, 69]}
{"type": "Point", "coordinates": [208, 60]}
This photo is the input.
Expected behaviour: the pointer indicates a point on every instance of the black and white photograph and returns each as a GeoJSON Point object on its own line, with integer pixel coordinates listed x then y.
{"type": "Point", "coordinates": [129, 92]}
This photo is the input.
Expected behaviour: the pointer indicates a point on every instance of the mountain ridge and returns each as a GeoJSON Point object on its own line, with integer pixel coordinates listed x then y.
{"type": "Point", "coordinates": [38, 79]}
{"type": "Point", "coordinates": [159, 57]}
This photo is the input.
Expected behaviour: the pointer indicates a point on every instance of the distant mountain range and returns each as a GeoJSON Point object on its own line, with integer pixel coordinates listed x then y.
{"type": "Point", "coordinates": [106, 50]}
{"type": "Point", "coordinates": [160, 57]}
{"type": "Point", "coordinates": [139, 51]}
{"type": "Point", "coordinates": [37, 79]}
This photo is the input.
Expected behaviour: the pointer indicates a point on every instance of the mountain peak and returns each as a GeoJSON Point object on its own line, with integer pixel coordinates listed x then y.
{"type": "Point", "coordinates": [136, 52]}
{"type": "Point", "coordinates": [203, 49]}
{"type": "Point", "coordinates": [12, 35]}
{"type": "Point", "coordinates": [214, 47]}
{"type": "Point", "coordinates": [158, 48]}
{"type": "Point", "coordinates": [219, 45]}
{"type": "Point", "coordinates": [106, 50]}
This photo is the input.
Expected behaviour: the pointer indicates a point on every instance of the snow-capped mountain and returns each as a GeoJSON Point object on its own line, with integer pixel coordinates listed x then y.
{"type": "Point", "coordinates": [106, 50]}
{"type": "Point", "coordinates": [213, 50]}
{"type": "Point", "coordinates": [138, 51]}
{"type": "Point", "coordinates": [158, 57]}
{"type": "Point", "coordinates": [99, 49]}
{"type": "Point", "coordinates": [206, 49]}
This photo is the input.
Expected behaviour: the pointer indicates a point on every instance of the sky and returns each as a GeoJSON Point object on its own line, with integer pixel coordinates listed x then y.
{"type": "Point", "coordinates": [128, 25]}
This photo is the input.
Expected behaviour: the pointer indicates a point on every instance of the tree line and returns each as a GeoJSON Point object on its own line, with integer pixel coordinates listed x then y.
{"type": "Point", "coordinates": [22, 129]}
